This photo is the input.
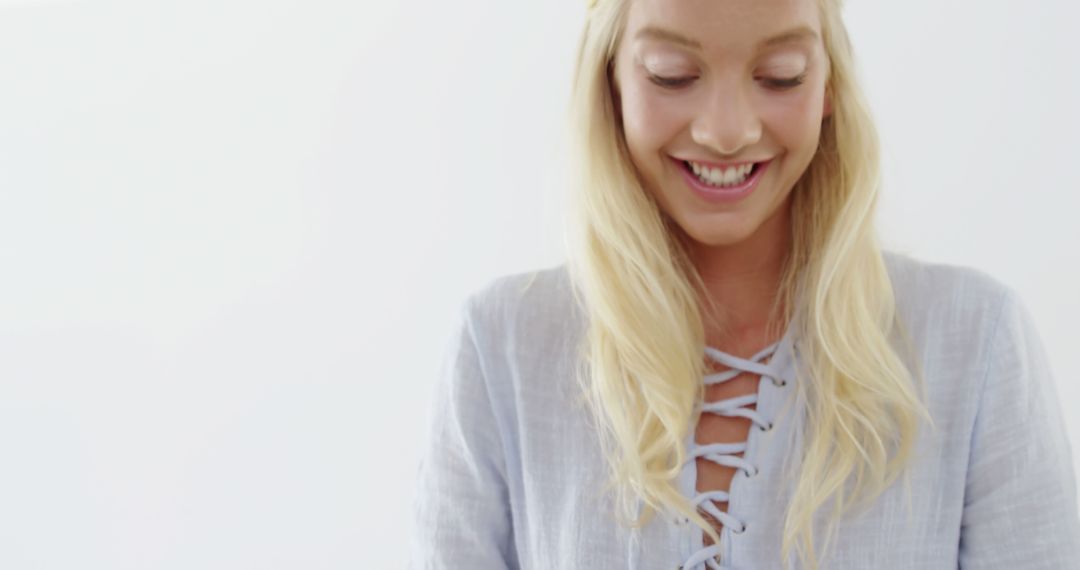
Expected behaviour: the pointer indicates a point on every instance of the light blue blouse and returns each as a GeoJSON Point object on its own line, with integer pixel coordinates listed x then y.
{"type": "Point", "coordinates": [512, 475]}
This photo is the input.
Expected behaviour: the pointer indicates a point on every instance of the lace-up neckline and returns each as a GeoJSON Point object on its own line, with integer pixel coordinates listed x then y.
{"type": "Point", "coordinates": [776, 372]}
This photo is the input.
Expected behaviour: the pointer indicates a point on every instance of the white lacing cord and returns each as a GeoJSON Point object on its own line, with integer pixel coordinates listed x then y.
{"type": "Point", "coordinates": [723, 453]}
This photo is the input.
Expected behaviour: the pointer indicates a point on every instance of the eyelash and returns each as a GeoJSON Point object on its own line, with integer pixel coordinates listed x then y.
{"type": "Point", "coordinates": [777, 84]}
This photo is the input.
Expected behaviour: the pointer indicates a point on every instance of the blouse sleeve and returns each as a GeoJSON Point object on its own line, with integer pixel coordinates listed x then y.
{"type": "Point", "coordinates": [461, 515]}
{"type": "Point", "coordinates": [1020, 497]}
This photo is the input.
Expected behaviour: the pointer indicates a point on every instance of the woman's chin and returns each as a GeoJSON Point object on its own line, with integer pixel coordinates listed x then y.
{"type": "Point", "coordinates": [717, 235]}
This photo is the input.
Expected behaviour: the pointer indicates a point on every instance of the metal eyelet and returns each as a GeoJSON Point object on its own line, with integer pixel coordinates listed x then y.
{"type": "Point", "coordinates": [766, 428]}
{"type": "Point", "coordinates": [751, 474]}
{"type": "Point", "coordinates": [741, 530]}
{"type": "Point", "coordinates": [781, 383]}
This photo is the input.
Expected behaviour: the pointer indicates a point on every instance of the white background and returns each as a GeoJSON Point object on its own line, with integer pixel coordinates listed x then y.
{"type": "Point", "coordinates": [234, 236]}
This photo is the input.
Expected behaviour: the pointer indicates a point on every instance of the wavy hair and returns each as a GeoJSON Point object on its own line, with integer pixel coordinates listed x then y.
{"type": "Point", "coordinates": [643, 298]}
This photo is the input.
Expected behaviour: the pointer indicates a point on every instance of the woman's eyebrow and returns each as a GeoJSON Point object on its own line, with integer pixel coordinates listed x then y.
{"type": "Point", "coordinates": [799, 33]}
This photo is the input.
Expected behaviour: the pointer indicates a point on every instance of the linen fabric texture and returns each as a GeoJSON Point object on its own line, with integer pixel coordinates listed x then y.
{"type": "Point", "coordinates": [512, 476]}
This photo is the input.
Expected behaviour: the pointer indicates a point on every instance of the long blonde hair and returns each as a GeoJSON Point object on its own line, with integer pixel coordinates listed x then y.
{"type": "Point", "coordinates": [643, 348]}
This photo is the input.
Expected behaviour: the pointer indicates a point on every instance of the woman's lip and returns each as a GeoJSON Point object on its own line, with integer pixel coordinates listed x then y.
{"type": "Point", "coordinates": [722, 195]}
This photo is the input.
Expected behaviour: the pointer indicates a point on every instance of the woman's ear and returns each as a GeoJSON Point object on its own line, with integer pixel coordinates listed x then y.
{"type": "Point", "coordinates": [827, 105]}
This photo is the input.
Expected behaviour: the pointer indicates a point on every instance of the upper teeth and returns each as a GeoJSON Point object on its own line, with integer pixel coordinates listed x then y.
{"type": "Point", "coordinates": [721, 176]}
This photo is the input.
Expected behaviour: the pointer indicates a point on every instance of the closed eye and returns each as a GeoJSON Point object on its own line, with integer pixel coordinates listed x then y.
{"type": "Point", "coordinates": [776, 84]}
{"type": "Point", "coordinates": [786, 83]}
{"type": "Point", "coordinates": [670, 82]}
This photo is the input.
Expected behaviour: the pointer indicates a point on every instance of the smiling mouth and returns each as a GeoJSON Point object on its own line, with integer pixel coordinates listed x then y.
{"type": "Point", "coordinates": [690, 169]}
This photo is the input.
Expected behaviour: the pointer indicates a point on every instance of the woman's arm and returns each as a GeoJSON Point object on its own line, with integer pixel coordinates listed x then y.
{"type": "Point", "coordinates": [1020, 499]}
{"type": "Point", "coordinates": [461, 513]}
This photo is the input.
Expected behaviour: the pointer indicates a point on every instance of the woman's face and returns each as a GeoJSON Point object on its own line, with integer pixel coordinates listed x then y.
{"type": "Point", "coordinates": [746, 86]}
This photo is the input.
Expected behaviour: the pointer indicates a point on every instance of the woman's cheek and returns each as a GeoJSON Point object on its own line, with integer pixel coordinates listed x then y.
{"type": "Point", "coordinates": [794, 112]}
{"type": "Point", "coordinates": [664, 115]}
{"type": "Point", "coordinates": [650, 118]}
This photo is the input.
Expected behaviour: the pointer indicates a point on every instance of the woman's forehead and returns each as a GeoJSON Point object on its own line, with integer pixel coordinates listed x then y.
{"type": "Point", "coordinates": [725, 25]}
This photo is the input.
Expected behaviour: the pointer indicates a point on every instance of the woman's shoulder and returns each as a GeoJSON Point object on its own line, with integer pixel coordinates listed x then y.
{"type": "Point", "coordinates": [526, 304]}
{"type": "Point", "coordinates": [942, 285]}
{"type": "Point", "coordinates": [944, 292]}
{"type": "Point", "coordinates": [527, 328]}
{"type": "Point", "coordinates": [541, 302]}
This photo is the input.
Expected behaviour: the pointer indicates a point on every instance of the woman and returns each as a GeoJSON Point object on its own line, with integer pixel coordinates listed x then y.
{"type": "Point", "coordinates": [756, 377]}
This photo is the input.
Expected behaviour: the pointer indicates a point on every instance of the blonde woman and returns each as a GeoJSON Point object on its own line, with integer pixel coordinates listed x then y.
{"type": "Point", "coordinates": [729, 371]}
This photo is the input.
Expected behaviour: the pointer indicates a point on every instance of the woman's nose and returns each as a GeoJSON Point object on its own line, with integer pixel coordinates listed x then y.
{"type": "Point", "coordinates": [728, 123]}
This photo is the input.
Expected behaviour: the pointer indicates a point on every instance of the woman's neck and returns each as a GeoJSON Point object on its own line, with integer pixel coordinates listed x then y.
{"type": "Point", "coordinates": [743, 280]}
